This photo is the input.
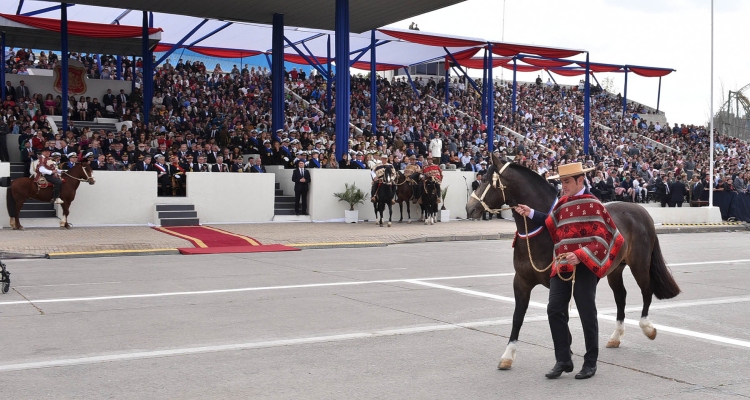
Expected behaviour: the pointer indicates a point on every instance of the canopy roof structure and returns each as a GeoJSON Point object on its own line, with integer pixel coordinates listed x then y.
{"type": "Point", "coordinates": [44, 33]}
{"type": "Point", "coordinates": [364, 15]}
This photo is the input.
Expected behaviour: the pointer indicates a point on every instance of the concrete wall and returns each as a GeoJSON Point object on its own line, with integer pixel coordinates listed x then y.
{"type": "Point", "coordinates": [4, 169]}
{"type": "Point", "coordinates": [685, 215]}
{"type": "Point", "coordinates": [5, 219]}
{"type": "Point", "coordinates": [45, 84]}
{"type": "Point", "coordinates": [323, 206]}
{"type": "Point", "coordinates": [12, 143]}
{"type": "Point", "coordinates": [227, 198]}
{"type": "Point", "coordinates": [125, 198]}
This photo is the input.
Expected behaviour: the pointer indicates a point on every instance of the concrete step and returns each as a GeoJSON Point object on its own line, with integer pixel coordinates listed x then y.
{"type": "Point", "coordinates": [38, 206]}
{"type": "Point", "coordinates": [284, 212]}
{"type": "Point", "coordinates": [179, 222]}
{"type": "Point", "coordinates": [175, 207]}
{"type": "Point", "coordinates": [284, 199]}
{"type": "Point", "coordinates": [278, 186]}
{"type": "Point", "coordinates": [292, 218]}
{"type": "Point", "coordinates": [37, 213]}
{"type": "Point", "coordinates": [278, 192]}
{"type": "Point", "coordinates": [178, 214]}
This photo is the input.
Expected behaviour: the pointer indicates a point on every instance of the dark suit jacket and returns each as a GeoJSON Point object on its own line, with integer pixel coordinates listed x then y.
{"type": "Point", "coordinates": [297, 176]}
{"type": "Point", "coordinates": [677, 191]}
{"type": "Point", "coordinates": [218, 168]}
{"type": "Point", "coordinates": [139, 166]}
{"type": "Point", "coordinates": [697, 191]}
{"type": "Point", "coordinates": [257, 168]}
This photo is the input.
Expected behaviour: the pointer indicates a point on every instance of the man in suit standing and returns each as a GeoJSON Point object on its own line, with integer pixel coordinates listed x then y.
{"type": "Point", "coordinates": [10, 91]}
{"type": "Point", "coordinates": [301, 178]}
{"type": "Point", "coordinates": [662, 190]}
{"type": "Point", "coordinates": [696, 191]}
{"type": "Point", "coordinates": [4, 131]}
{"type": "Point", "coordinates": [677, 192]}
{"type": "Point", "coordinates": [22, 91]}
{"type": "Point", "coordinates": [27, 156]}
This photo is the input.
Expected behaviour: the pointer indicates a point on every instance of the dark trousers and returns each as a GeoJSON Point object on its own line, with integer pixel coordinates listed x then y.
{"type": "Point", "coordinates": [664, 201]}
{"type": "Point", "coordinates": [557, 314]}
{"type": "Point", "coordinates": [57, 182]}
{"type": "Point", "coordinates": [4, 148]}
{"type": "Point", "coordinates": [300, 202]}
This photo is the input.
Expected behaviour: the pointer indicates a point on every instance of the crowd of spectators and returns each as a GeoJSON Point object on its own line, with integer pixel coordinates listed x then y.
{"type": "Point", "coordinates": [215, 120]}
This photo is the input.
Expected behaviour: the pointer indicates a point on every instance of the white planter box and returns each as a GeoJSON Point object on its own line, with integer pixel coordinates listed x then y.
{"type": "Point", "coordinates": [445, 215]}
{"type": "Point", "coordinates": [351, 216]}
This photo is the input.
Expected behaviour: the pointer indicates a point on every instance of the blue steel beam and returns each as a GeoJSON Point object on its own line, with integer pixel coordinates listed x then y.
{"type": "Point", "coordinates": [148, 77]}
{"type": "Point", "coordinates": [209, 34]}
{"type": "Point", "coordinates": [119, 17]}
{"type": "Point", "coordinates": [180, 43]}
{"type": "Point", "coordinates": [2, 64]}
{"type": "Point", "coordinates": [18, 11]}
{"type": "Point", "coordinates": [44, 10]}
{"type": "Point", "coordinates": [312, 63]}
{"type": "Point", "coordinates": [490, 102]}
{"type": "Point", "coordinates": [411, 82]}
{"type": "Point", "coordinates": [658, 96]}
{"type": "Point", "coordinates": [329, 81]}
{"type": "Point", "coordinates": [513, 102]}
{"type": "Point", "coordinates": [447, 85]}
{"type": "Point", "coordinates": [277, 76]}
{"type": "Point", "coordinates": [363, 52]}
{"type": "Point", "coordinates": [586, 108]}
{"type": "Point", "coordinates": [625, 96]}
{"type": "Point", "coordinates": [373, 84]}
{"type": "Point", "coordinates": [458, 66]}
{"type": "Point", "coordinates": [315, 60]}
{"type": "Point", "coordinates": [342, 78]}
{"type": "Point", "coordinates": [550, 76]}
{"type": "Point", "coordinates": [64, 62]}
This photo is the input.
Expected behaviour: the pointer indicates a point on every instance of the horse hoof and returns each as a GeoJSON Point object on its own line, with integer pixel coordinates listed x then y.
{"type": "Point", "coordinates": [389, 224]}
{"type": "Point", "coordinates": [408, 222]}
{"type": "Point", "coordinates": [505, 364]}
{"type": "Point", "coordinates": [613, 344]}
{"type": "Point", "coordinates": [652, 336]}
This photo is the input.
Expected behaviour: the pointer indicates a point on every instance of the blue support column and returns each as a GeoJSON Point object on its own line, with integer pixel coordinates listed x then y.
{"type": "Point", "coordinates": [484, 87]}
{"type": "Point", "coordinates": [342, 78]}
{"type": "Point", "coordinates": [490, 102]}
{"type": "Point", "coordinates": [277, 76]}
{"type": "Point", "coordinates": [411, 82]}
{"type": "Point", "coordinates": [625, 96]}
{"type": "Point", "coordinates": [148, 75]}
{"type": "Point", "coordinates": [329, 81]}
{"type": "Point", "coordinates": [658, 96]}
{"type": "Point", "coordinates": [64, 61]}
{"type": "Point", "coordinates": [99, 62]}
{"type": "Point", "coordinates": [2, 65]}
{"type": "Point", "coordinates": [373, 85]}
{"type": "Point", "coordinates": [586, 108]}
{"type": "Point", "coordinates": [513, 102]}
{"type": "Point", "coordinates": [132, 76]}
{"type": "Point", "coordinates": [595, 80]}
{"type": "Point", "coordinates": [550, 76]}
{"type": "Point", "coordinates": [119, 68]}
{"type": "Point", "coordinates": [447, 85]}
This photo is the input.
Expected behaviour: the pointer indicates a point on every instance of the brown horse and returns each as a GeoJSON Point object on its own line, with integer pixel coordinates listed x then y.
{"type": "Point", "coordinates": [22, 189]}
{"type": "Point", "coordinates": [512, 184]}
{"type": "Point", "coordinates": [404, 194]}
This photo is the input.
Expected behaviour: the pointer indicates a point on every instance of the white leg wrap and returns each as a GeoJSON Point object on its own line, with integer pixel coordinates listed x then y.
{"type": "Point", "coordinates": [614, 340]}
{"type": "Point", "coordinates": [506, 361]}
{"type": "Point", "coordinates": [647, 328]}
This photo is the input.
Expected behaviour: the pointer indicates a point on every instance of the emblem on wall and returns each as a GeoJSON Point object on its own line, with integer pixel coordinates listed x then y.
{"type": "Point", "coordinates": [76, 77]}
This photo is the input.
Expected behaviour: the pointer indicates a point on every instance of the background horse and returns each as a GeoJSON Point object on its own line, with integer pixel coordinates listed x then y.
{"type": "Point", "coordinates": [404, 194]}
{"type": "Point", "coordinates": [513, 184]}
{"type": "Point", "coordinates": [430, 195]}
{"type": "Point", "coordinates": [22, 189]}
{"type": "Point", "coordinates": [385, 192]}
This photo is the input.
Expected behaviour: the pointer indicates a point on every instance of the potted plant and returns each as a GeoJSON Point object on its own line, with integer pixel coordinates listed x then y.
{"type": "Point", "coordinates": [352, 195]}
{"type": "Point", "coordinates": [445, 214]}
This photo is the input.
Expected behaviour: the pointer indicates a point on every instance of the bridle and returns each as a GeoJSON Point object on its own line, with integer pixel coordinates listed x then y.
{"type": "Point", "coordinates": [497, 184]}
{"type": "Point", "coordinates": [89, 178]}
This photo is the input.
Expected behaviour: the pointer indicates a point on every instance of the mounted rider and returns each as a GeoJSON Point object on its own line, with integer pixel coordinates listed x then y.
{"type": "Point", "coordinates": [383, 172]}
{"type": "Point", "coordinates": [433, 173]}
{"type": "Point", "coordinates": [47, 168]}
{"type": "Point", "coordinates": [412, 172]}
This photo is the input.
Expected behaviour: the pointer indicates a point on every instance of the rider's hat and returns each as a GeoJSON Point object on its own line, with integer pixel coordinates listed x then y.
{"type": "Point", "coordinates": [571, 169]}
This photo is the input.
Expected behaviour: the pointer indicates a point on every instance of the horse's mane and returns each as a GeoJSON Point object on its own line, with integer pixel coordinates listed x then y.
{"type": "Point", "coordinates": [533, 178]}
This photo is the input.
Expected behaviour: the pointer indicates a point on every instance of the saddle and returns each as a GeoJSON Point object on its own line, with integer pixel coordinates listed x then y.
{"type": "Point", "coordinates": [41, 182]}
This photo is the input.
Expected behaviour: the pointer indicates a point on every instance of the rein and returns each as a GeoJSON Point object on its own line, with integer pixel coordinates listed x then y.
{"type": "Point", "coordinates": [497, 184]}
{"type": "Point", "coordinates": [79, 179]}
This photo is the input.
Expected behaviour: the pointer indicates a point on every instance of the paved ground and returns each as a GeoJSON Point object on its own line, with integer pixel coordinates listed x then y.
{"type": "Point", "coordinates": [412, 321]}
{"type": "Point", "coordinates": [40, 241]}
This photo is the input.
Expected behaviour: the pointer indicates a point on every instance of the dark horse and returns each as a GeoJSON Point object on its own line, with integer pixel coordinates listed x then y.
{"type": "Point", "coordinates": [22, 189]}
{"type": "Point", "coordinates": [404, 194]}
{"type": "Point", "coordinates": [430, 195]}
{"type": "Point", "coordinates": [384, 193]}
{"type": "Point", "coordinates": [513, 184]}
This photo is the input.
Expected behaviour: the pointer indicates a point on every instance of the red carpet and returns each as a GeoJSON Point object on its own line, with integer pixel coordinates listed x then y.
{"type": "Point", "coordinates": [209, 240]}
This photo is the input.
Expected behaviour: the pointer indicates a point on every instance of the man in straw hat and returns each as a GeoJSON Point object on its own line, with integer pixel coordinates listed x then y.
{"type": "Point", "coordinates": [589, 238]}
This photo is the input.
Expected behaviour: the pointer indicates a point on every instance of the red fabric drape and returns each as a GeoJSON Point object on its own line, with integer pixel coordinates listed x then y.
{"type": "Point", "coordinates": [567, 72]}
{"type": "Point", "coordinates": [522, 68]}
{"type": "Point", "coordinates": [650, 72]}
{"type": "Point", "coordinates": [86, 29]}
{"type": "Point", "coordinates": [297, 59]}
{"type": "Point", "coordinates": [508, 50]}
{"type": "Point", "coordinates": [478, 63]}
{"type": "Point", "coordinates": [594, 67]}
{"type": "Point", "coordinates": [378, 67]}
{"type": "Point", "coordinates": [224, 53]}
{"type": "Point", "coordinates": [431, 40]}
{"type": "Point", "coordinates": [545, 63]}
{"type": "Point", "coordinates": [162, 47]}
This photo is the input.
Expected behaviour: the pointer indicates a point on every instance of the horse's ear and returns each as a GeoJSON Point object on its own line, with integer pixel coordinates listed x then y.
{"type": "Point", "coordinates": [496, 160]}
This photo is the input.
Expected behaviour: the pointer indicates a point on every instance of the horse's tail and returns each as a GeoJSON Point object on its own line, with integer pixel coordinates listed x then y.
{"type": "Point", "coordinates": [10, 202]}
{"type": "Point", "coordinates": [663, 284]}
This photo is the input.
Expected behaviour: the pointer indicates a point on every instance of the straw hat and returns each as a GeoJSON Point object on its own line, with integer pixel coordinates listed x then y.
{"type": "Point", "coordinates": [571, 169]}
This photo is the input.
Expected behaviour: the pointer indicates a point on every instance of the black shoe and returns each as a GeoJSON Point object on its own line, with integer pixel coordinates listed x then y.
{"type": "Point", "coordinates": [586, 372]}
{"type": "Point", "coordinates": [559, 368]}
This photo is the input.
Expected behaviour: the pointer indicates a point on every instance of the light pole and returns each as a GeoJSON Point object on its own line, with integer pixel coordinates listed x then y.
{"type": "Point", "coordinates": [711, 121]}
